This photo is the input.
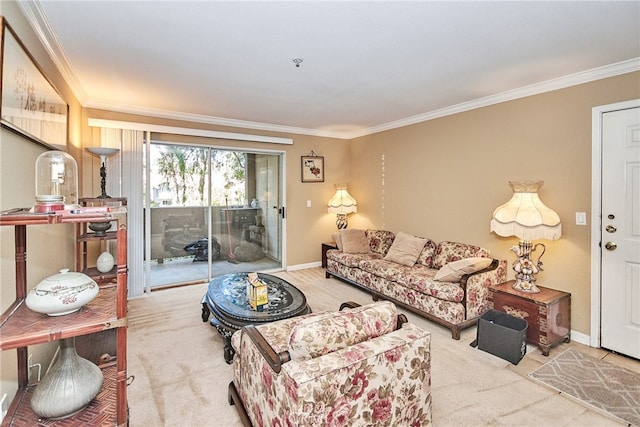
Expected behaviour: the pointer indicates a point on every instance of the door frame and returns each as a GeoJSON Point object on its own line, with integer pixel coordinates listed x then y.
{"type": "Point", "coordinates": [596, 212]}
{"type": "Point", "coordinates": [281, 154]}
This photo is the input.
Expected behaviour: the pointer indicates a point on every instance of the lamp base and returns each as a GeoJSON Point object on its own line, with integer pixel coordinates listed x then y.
{"type": "Point", "coordinates": [528, 286]}
{"type": "Point", "coordinates": [525, 268]}
{"type": "Point", "coordinates": [341, 221]}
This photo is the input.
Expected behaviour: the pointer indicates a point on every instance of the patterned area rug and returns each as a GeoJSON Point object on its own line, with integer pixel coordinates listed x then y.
{"type": "Point", "coordinates": [599, 384]}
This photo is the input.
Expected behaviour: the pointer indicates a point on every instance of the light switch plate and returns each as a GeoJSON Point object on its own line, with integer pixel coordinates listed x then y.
{"type": "Point", "coordinates": [581, 218]}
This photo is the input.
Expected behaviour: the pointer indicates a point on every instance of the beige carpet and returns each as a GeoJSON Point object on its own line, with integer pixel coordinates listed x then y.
{"type": "Point", "coordinates": [181, 378]}
{"type": "Point", "coordinates": [602, 385]}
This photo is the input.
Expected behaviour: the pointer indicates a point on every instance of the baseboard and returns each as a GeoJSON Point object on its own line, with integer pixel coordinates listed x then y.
{"type": "Point", "coordinates": [580, 338]}
{"type": "Point", "coordinates": [304, 266]}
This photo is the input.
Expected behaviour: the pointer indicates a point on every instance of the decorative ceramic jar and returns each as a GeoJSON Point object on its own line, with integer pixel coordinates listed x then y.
{"type": "Point", "coordinates": [68, 387]}
{"type": "Point", "coordinates": [105, 262]}
{"type": "Point", "coordinates": [62, 293]}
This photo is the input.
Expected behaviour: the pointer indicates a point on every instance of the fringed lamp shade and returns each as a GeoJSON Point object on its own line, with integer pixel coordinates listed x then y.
{"type": "Point", "coordinates": [526, 217]}
{"type": "Point", "coordinates": [342, 204]}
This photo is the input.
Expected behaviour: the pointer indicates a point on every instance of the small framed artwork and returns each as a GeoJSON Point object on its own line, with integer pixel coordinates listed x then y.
{"type": "Point", "coordinates": [30, 104]}
{"type": "Point", "coordinates": [312, 168]}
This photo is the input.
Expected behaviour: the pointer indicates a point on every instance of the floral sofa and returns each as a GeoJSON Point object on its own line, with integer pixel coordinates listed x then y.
{"type": "Point", "coordinates": [445, 282]}
{"type": "Point", "coordinates": [359, 367]}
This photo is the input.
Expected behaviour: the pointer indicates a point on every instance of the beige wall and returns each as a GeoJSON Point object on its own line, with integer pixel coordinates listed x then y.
{"type": "Point", "coordinates": [444, 178]}
{"type": "Point", "coordinates": [48, 248]}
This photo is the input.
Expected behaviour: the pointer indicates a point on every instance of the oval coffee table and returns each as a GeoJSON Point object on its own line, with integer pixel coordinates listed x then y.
{"type": "Point", "coordinates": [227, 300]}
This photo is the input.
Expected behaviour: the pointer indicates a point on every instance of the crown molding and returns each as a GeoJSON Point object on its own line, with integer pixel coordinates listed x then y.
{"type": "Point", "coordinates": [606, 71]}
{"type": "Point", "coordinates": [35, 16]}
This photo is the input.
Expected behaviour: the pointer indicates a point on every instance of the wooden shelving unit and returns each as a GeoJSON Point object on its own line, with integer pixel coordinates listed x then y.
{"type": "Point", "coordinates": [20, 327]}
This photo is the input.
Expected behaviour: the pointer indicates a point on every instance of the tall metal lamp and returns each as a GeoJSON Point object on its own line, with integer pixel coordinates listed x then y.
{"type": "Point", "coordinates": [342, 204]}
{"type": "Point", "coordinates": [103, 152]}
{"type": "Point", "coordinates": [526, 217]}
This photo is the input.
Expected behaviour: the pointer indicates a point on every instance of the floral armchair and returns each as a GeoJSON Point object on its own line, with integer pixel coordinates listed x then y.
{"type": "Point", "coordinates": [361, 366]}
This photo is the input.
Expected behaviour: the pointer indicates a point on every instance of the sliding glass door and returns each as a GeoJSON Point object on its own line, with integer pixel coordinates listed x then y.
{"type": "Point", "coordinates": [212, 211]}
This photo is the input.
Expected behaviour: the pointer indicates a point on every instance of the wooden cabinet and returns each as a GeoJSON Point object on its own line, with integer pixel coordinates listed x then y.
{"type": "Point", "coordinates": [20, 327]}
{"type": "Point", "coordinates": [548, 313]}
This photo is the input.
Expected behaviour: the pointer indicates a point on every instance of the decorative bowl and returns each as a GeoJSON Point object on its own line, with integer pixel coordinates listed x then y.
{"type": "Point", "coordinates": [62, 293]}
{"type": "Point", "coordinates": [100, 228]}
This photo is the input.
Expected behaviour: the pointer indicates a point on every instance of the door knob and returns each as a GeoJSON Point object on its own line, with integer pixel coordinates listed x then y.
{"type": "Point", "coordinates": [611, 229]}
{"type": "Point", "coordinates": [610, 246]}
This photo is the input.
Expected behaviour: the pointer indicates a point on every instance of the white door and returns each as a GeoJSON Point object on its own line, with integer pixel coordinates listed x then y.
{"type": "Point", "coordinates": [620, 232]}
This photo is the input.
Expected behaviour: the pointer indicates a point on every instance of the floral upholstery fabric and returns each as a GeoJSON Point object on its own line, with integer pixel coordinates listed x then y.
{"type": "Point", "coordinates": [421, 279]}
{"type": "Point", "coordinates": [320, 335]}
{"type": "Point", "coordinates": [380, 240]}
{"type": "Point", "coordinates": [426, 256]}
{"type": "Point", "coordinates": [384, 381]}
{"type": "Point", "coordinates": [385, 269]}
{"type": "Point", "coordinates": [350, 260]}
{"type": "Point", "coordinates": [478, 289]}
{"type": "Point", "coordinates": [416, 287]}
{"type": "Point", "coordinates": [447, 252]}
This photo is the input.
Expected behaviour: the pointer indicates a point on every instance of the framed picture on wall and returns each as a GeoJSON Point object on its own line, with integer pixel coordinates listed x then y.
{"type": "Point", "coordinates": [312, 168]}
{"type": "Point", "coordinates": [30, 104]}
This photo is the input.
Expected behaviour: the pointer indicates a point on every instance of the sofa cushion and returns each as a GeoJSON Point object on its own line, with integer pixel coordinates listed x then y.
{"type": "Point", "coordinates": [426, 256]}
{"type": "Point", "coordinates": [405, 249]}
{"type": "Point", "coordinates": [354, 241]}
{"type": "Point", "coordinates": [380, 240]}
{"type": "Point", "coordinates": [336, 238]}
{"type": "Point", "coordinates": [326, 333]}
{"type": "Point", "coordinates": [453, 271]}
{"type": "Point", "coordinates": [447, 252]}
{"type": "Point", "coordinates": [350, 260]}
{"type": "Point", "coordinates": [388, 270]}
{"type": "Point", "coordinates": [421, 279]}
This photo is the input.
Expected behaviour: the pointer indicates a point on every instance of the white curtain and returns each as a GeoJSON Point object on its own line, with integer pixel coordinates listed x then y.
{"type": "Point", "coordinates": [127, 168]}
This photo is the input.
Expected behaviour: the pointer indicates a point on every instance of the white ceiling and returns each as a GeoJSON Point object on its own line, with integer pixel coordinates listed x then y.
{"type": "Point", "coordinates": [367, 66]}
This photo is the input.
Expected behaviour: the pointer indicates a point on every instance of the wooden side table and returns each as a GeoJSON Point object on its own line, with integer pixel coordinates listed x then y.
{"type": "Point", "coordinates": [325, 247]}
{"type": "Point", "coordinates": [548, 313]}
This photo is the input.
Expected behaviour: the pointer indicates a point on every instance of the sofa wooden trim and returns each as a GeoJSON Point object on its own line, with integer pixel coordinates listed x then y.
{"type": "Point", "coordinates": [455, 328]}
{"type": "Point", "coordinates": [275, 359]}
{"type": "Point", "coordinates": [234, 399]}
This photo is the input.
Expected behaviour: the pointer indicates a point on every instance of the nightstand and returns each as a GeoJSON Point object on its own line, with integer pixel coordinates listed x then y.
{"type": "Point", "coordinates": [325, 247]}
{"type": "Point", "coordinates": [548, 313]}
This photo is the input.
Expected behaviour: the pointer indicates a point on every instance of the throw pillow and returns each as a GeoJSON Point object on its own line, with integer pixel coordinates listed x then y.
{"type": "Point", "coordinates": [316, 336]}
{"type": "Point", "coordinates": [336, 238]}
{"type": "Point", "coordinates": [454, 271]}
{"type": "Point", "coordinates": [405, 249]}
{"type": "Point", "coordinates": [354, 242]}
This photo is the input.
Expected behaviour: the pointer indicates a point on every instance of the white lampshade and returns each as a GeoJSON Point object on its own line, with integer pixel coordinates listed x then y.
{"type": "Point", "coordinates": [342, 202]}
{"type": "Point", "coordinates": [525, 216]}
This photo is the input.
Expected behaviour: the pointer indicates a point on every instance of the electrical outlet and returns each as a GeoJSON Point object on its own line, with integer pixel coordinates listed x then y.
{"type": "Point", "coordinates": [5, 406]}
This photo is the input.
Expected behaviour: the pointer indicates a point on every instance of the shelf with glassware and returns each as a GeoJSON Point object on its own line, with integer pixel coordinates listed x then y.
{"type": "Point", "coordinates": [21, 327]}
